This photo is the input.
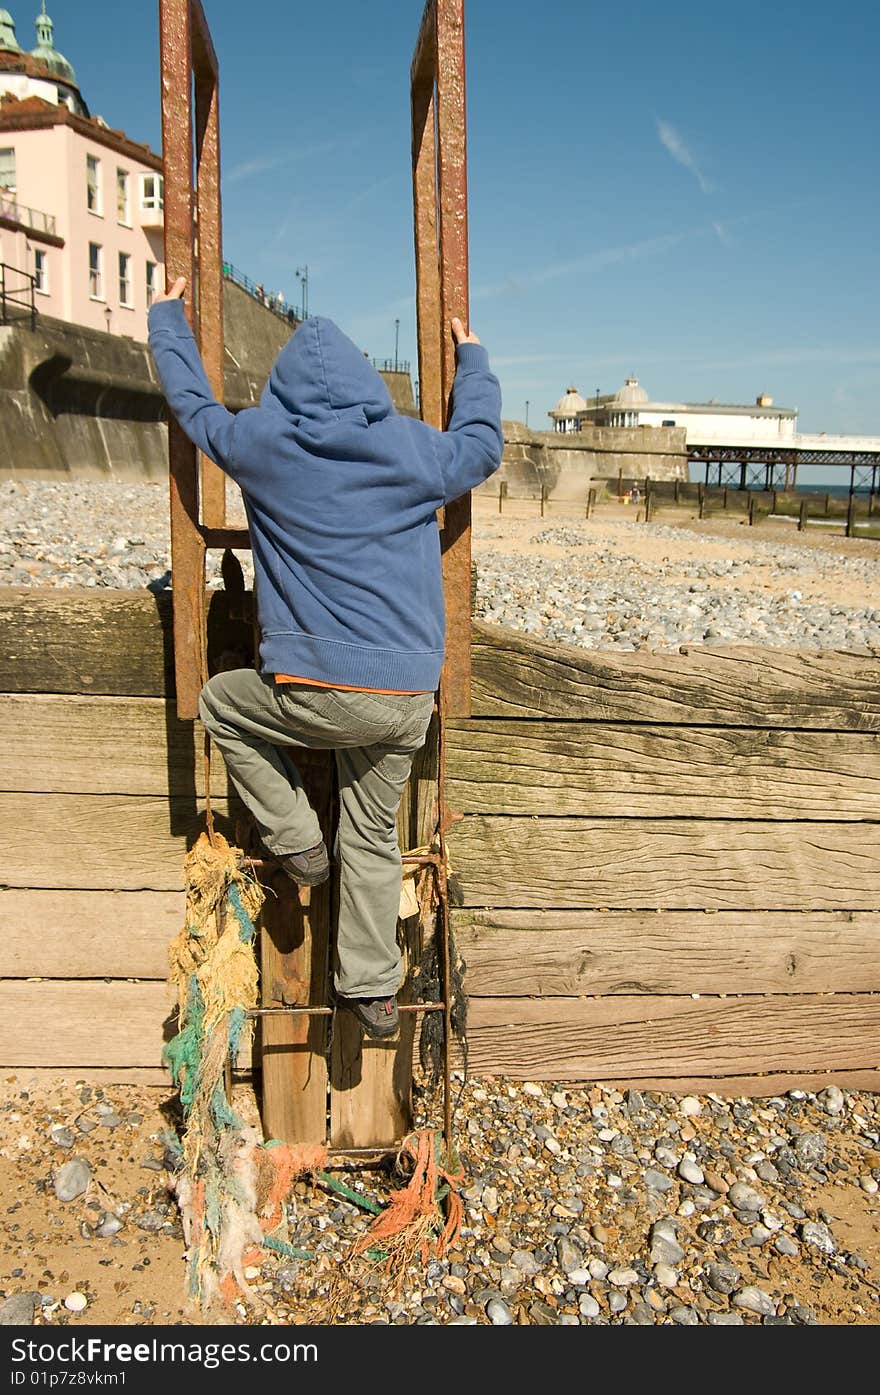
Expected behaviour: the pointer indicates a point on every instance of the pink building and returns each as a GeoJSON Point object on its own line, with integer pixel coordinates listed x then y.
{"type": "Point", "coordinates": [80, 204]}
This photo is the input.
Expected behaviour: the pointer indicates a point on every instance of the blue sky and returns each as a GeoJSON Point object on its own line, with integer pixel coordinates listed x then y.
{"type": "Point", "coordinates": [688, 192]}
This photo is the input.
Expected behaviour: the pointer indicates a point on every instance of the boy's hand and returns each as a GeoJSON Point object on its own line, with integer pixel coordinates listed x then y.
{"type": "Point", "coordinates": [461, 335]}
{"type": "Point", "coordinates": [176, 292]}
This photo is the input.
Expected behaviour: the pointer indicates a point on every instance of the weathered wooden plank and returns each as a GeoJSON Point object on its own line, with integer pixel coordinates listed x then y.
{"type": "Point", "coordinates": [69, 744]}
{"type": "Point", "coordinates": [628, 770]}
{"type": "Point", "coordinates": [101, 841]}
{"type": "Point", "coordinates": [104, 745]}
{"type": "Point", "coordinates": [516, 675]}
{"type": "Point", "coordinates": [566, 953]}
{"type": "Point", "coordinates": [754, 1086]}
{"type": "Point", "coordinates": [106, 641]}
{"type": "Point", "coordinates": [76, 934]}
{"type": "Point", "coordinates": [89, 1023]}
{"type": "Point", "coordinates": [631, 864]}
{"type": "Point", "coordinates": [619, 1038]}
{"type": "Point", "coordinates": [119, 642]}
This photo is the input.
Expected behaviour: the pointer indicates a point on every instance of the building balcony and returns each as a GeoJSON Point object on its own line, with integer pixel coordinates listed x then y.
{"type": "Point", "coordinates": [19, 218]}
{"type": "Point", "coordinates": [152, 218]}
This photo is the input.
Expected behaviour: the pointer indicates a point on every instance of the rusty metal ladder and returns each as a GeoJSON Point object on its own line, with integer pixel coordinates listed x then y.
{"type": "Point", "coordinates": [190, 140]}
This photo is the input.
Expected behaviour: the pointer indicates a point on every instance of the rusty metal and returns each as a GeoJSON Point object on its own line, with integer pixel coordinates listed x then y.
{"type": "Point", "coordinates": [328, 1011]}
{"type": "Point", "coordinates": [439, 161]}
{"type": "Point", "coordinates": [192, 249]}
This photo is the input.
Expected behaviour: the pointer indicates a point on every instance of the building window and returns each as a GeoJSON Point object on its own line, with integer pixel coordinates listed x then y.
{"type": "Point", "coordinates": [151, 283]}
{"type": "Point", "coordinates": [96, 271]}
{"type": "Point", "coordinates": [123, 201]}
{"type": "Point", "coordinates": [93, 183]}
{"type": "Point", "coordinates": [125, 280]}
{"type": "Point", "coordinates": [41, 272]}
{"type": "Point", "coordinates": [152, 193]}
{"type": "Point", "coordinates": [7, 169]}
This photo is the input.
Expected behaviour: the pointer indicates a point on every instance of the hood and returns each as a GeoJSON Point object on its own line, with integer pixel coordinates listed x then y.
{"type": "Point", "coordinates": [322, 376]}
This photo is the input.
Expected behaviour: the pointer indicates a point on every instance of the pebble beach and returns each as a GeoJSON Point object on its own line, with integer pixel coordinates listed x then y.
{"type": "Point", "coordinates": [584, 1205]}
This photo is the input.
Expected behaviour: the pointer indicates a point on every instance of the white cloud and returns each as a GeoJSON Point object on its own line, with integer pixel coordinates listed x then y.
{"type": "Point", "coordinates": [672, 141]}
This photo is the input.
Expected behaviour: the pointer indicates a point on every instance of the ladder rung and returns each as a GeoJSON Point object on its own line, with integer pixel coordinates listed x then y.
{"type": "Point", "coordinates": [226, 537]}
{"type": "Point", "coordinates": [327, 1012]}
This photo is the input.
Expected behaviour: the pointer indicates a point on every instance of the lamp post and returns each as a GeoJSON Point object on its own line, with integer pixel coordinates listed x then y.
{"type": "Point", "coordinates": [527, 411]}
{"type": "Point", "coordinates": [396, 340]}
{"type": "Point", "coordinates": [596, 417]}
{"type": "Point", "coordinates": [107, 313]}
{"type": "Point", "coordinates": [302, 275]}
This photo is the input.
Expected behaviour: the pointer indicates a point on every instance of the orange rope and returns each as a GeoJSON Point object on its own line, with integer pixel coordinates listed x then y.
{"type": "Point", "coordinates": [418, 1202]}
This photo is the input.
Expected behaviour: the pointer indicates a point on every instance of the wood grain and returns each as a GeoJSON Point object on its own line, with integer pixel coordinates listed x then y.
{"type": "Point", "coordinates": [107, 641]}
{"type": "Point", "coordinates": [516, 675]}
{"type": "Point", "coordinates": [563, 953]}
{"type": "Point", "coordinates": [631, 864]}
{"type": "Point", "coordinates": [73, 934]}
{"type": "Point", "coordinates": [617, 1038]}
{"type": "Point", "coordinates": [628, 771]}
{"type": "Point", "coordinates": [78, 1025]}
{"type": "Point", "coordinates": [101, 841]}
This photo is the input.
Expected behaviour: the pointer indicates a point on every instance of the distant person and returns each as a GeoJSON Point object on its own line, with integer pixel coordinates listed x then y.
{"type": "Point", "coordinates": [341, 495]}
{"type": "Point", "coordinates": [634, 494]}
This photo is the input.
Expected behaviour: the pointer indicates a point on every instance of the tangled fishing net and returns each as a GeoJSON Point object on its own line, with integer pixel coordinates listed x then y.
{"type": "Point", "coordinates": [231, 1187]}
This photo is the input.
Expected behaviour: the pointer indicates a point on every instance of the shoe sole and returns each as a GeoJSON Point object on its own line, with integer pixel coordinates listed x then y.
{"type": "Point", "coordinates": [371, 1030]}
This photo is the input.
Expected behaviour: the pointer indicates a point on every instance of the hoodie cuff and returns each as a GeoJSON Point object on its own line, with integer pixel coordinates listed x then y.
{"type": "Point", "coordinates": [471, 358]}
{"type": "Point", "coordinates": [168, 314]}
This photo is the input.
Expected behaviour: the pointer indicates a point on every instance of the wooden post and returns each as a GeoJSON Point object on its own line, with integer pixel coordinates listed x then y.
{"type": "Point", "coordinates": [294, 962]}
{"type": "Point", "coordinates": [649, 499]}
{"type": "Point", "coordinates": [773, 501]}
{"type": "Point", "coordinates": [802, 515]}
{"type": "Point", "coordinates": [620, 484]}
{"type": "Point", "coordinates": [500, 496]}
{"type": "Point", "coordinates": [827, 504]}
{"type": "Point", "coordinates": [675, 489]}
{"type": "Point", "coordinates": [850, 515]}
{"type": "Point", "coordinates": [543, 498]}
{"type": "Point", "coordinates": [724, 498]}
{"type": "Point", "coordinates": [751, 508]}
{"type": "Point", "coordinates": [591, 502]}
{"type": "Point", "coordinates": [701, 499]}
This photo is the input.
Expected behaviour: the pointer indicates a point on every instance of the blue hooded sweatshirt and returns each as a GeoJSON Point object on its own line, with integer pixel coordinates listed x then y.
{"type": "Point", "coordinates": [341, 494]}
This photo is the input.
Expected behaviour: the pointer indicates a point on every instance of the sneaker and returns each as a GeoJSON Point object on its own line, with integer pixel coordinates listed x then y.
{"type": "Point", "coordinates": [308, 868]}
{"type": "Point", "coordinates": [378, 1016]}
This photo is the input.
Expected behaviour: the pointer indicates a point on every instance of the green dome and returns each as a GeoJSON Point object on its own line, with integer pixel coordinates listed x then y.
{"type": "Point", "coordinates": [47, 52]}
{"type": "Point", "coordinates": [8, 40]}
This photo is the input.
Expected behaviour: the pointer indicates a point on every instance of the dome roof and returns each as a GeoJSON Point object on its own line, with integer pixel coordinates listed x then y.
{"type": "Point", "coordinates": [569, 404]}
{"type": "Point", "coordinates": [631, 394]}
{"type": "Point", "coordinates": [48, 53]}
{"type": "Point", "coordinates": [8, 40]}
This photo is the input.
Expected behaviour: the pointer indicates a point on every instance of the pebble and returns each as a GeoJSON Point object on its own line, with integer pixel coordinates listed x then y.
{"type": "Point", "coordinates": [598, 1269]}
{"type": "Point", "coordinates": [499, 1314]}
{"type": "Point", "coordinates": [690, 1171]}
{"type": "Point", "coordinates": [754, 1300]}
{"type": "Point", "coordinates": [684, 1315]}
{"type": "Point", "coordinates": [666, 1276]}
{"type": "Point", "coordinates": [72, 1179]}
{"type": "Point", "coordinates": [622, 1278]}
{"type": "Point", "coordinates": [810, 1149]}
{"type": "Point", "coordinates": [786, 1246]}
{"type": "Point", "coordinates": [742, 1197]}
{"type": "Point", "coordinates": [588, 1305]}
{"type": "Point", "coordinates": [723, 1278]}
{"type": "Point", "coordinates": [61, 1136]}
{"type": "Point", "coordinates": [818, 1236]}
{"type": "Point", "coordinates": [690, 1106]}
{"type": "Point", "coordinates": [76, 1302]}
{"type": "Point", "coordinates": [725, 1319]}
{"type": "Point", "coordinates": [657, 1181]}
{"type": "Point", "coordinates": [18, 1310]}
{"type": "Point", "coordinates": [869, 1184]}
{"type": "Point", "coordinates": [570, 1255]}
{"type": "Point", "coordinates": [525, 1261]}
{"type": "Point", "coordinates": [832, 1100]}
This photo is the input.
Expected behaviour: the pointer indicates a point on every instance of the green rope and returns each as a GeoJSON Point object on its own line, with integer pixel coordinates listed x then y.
{"type": "Point", "coordinates": [363, 1201]}
{"type": "Point", "coordinates": [281, 1246]}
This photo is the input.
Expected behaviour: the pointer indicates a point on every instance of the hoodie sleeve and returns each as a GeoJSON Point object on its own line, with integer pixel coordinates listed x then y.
{"type": "Point", "coordinates": [470, 449]}
{"type": "Point", "coordinates": [207, 424]}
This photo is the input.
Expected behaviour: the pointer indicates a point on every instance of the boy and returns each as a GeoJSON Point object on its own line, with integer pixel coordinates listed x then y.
{"type": "Point", "coordinates": [341, 495]}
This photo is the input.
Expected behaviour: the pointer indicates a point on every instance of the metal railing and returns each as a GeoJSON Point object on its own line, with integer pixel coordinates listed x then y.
{"type": "Point", "coordinates": [17, 295]}
{"type": "Point", "coordinates": [274, 302]}
{"type": "Point", "coordinates": [31, 218]}
{"type": "Point", "coordinates": [391, 365]}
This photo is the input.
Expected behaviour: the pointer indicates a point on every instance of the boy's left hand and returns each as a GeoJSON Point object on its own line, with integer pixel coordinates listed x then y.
{"type": "Point", "coordinates": [176, 292]}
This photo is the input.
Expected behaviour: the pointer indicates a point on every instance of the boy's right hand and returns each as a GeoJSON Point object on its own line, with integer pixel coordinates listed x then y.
{"type": "Point", "coordinates": [175, 293]}
{"type": "Point", "coordinates": [461, 335]}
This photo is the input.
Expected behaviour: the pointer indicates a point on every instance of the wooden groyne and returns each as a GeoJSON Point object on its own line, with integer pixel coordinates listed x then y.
{"type": "Point", "coordinates": [666, 871]}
